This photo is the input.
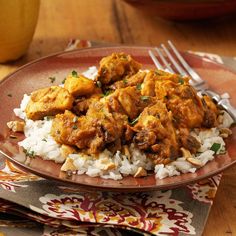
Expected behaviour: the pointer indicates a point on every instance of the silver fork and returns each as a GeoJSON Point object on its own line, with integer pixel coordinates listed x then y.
{"type": "Point", "coordinates": [183, 68]}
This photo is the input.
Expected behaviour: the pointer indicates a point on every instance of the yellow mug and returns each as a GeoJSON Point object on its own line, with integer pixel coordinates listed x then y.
{"type": "Point", "coordinates": [18, 19]}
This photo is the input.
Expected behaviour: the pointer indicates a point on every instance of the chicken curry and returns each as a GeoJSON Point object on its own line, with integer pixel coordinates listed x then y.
{"type": "Point", "coordinates": [152, 109]}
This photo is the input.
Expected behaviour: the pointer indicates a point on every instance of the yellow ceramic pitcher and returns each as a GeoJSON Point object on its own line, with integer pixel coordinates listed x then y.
{"type": "Point", "coordinates": [18, 19]}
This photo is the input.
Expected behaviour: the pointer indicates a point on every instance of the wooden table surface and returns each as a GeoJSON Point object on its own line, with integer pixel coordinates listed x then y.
{"type": "Point", "coordinates": [117, 22]}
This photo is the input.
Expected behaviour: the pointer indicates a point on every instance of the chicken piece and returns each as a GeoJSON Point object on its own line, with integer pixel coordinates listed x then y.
{"type": "Point", "coordinates": [81, 106]}
{"type": "Point", "coordinates": [112, 124]}
{"type": "Point", "coordinates": [16, 126]}
{"type": "Point", "coordinates": [159, 83]}
{"type": "Point", "coordinates": [79, 85]}
{"type": "Point", "coordinates": [128, 101]}
{"type": "Point", "coordinates": [210, 112]}
{"type": "Point", "coordinates": [91, 132]}
{"type": "Point", "coordinates": [148, 86]}
{"type": "Point", "coordinates": [116, 67]}
{"type": "Point", "coordinates": [188, 141]}
{"type": "Point", "coordinates": [48, 102]}
{"type": "Point", "coordinates": [210, 104]}
{"type": "Point", "coordinates": [155, 132]}
{"type": "Point", "coordinates": [186, 106]}
{"type": "Point", "coordinates": [69, 129]}
{"type": "Point", "coordinates": [134, 80]}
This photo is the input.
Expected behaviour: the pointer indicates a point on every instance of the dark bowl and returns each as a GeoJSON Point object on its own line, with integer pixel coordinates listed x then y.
{"type": "Point", "coordinates": [185, 9]}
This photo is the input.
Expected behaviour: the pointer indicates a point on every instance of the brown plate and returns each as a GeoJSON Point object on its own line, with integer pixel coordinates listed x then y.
{"type": "Point", "coordinates": [36, 75]}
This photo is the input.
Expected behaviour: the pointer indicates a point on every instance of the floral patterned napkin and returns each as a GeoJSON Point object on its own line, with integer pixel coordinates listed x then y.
{"type": "Point", "coordinates": [30, 205]}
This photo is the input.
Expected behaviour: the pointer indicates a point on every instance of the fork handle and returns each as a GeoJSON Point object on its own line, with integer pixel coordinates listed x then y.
{"type": "Point", "coordinates": [225, 103]}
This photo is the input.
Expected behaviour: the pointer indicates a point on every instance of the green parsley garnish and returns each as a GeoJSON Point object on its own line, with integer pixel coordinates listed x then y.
{"type": "Point", "coordinates": [125, 81]}
{"type": "Point", "coordinates": [107, 93]}
{"type": "Point", "coordinates": [139, 86]}
{"type": "Point", "coordinates": [144, 98]}
{"type": "Point", "coordinates": [74, 73]}
{"type": "Point", "coordinates": [52, 79]}
{"type": "Point", "coordinates": [181, 81]}
{"type": "Point", "coordinates": [63, 81]}
{"type": "Point", "coordinates": [44, 139]}
{"type": "Point", "coordinates": [29, 153]}
{"type": "Point", "coordinates": [215, 147]}
{"type": "Point", "coordinates": [158, 72]}
{"type": "Point", "coordinates": [48, 118]}
{"type": "Point", "coordinates": [135, 120]}
{"type": "Point", "coordinates": [9, 95]}
{"type": "Point", "coordinates": [74, 127]}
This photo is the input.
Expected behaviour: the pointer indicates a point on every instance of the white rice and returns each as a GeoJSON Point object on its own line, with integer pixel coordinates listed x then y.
{"type": "Point", "coordinates": [95, 166]}
{"type": "Point", "coordinates": [20, 112]}
{"type": "Point", "coordinates": [91, 73]}
{"type": "Point", "coordinates": [39, 141]}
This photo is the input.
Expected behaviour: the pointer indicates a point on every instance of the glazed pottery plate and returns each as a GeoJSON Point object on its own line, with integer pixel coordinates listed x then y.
{"type": "Point", "coordinates": [36, 75]}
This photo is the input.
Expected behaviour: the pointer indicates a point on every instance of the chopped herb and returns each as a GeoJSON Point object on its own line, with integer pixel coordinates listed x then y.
{"type": "Point", "coordinates": [99, 84]}
{"type": "Point", "coordinates": [215, 147]}
{"type": "Point", "coordinates": [47, 118]}
{"type": "Point", "coordinates": [63, 81]}
{"type": "Point", "coordinates": [9, 95]}
{"type": "Point", "coordinates": [74, 73]}
{"type": "Point", "coordinates": [124, 57]}
{"type": "Point", "coordinates": [58, 132]}
{"type": "Point", "coordinates": [75, 119]}
{"type": "Point", "coordinates": [107, 93]}
{"type": "Point", "coordinates": [144, 98]}
{"type": "Point", "coordinates": [181, 81]}
{"type": "Point", "coordinates": [125, 81]}
{"type": "Point", "coordinates": [13, 136]}
{"type": "Point", "coordinates": [166, 97]}
{"type": "Point", "coordinates": [29, 153]}
{"type": "Point", "coordinates": [52, 79]}
{"type": "Point", "coordinates": [139, 86]}
{"type": "Point", "coordinates": [158, 72]}
{"type": "Point", "coordinates": [44, 139]}
{"type": "Point", "coordinates": [74, 127]}
{"type": "Point", "coordinates": [135, 120]}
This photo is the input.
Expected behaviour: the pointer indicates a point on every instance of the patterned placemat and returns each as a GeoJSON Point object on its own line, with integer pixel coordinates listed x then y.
{"type": "Point", "coordinates": [30, 205]}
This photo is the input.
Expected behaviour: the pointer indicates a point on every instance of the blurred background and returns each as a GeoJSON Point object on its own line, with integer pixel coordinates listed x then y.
{"type": "Point", "coordinates": [116, 21]}
{"type": "Point", "coordinates": [200, 25]}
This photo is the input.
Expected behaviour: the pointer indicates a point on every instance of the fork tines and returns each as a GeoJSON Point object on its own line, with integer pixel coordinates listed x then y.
{"type": "Point", "coordinates": [172, 61]}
